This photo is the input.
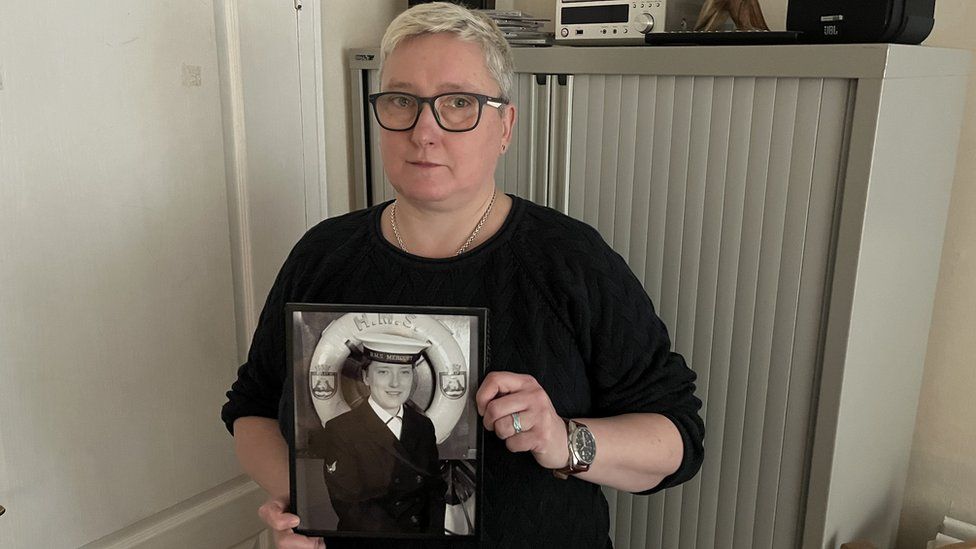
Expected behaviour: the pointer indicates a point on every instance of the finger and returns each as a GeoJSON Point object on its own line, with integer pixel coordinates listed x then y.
{"type": "Point", "coordinates": [496, 383]}
{"type": "Point", "coordinates": [506, 405]}
{"type": "Point", "coordinates": [488, 390]}
{"type": "Point", "coordinates": [504, 427]}
{"type": "Point", "coordinates": [269, 508]}
{"type": "Point", "coordinates": [272, 513]}
{"type": "Point", "coordinates": [291, 540]}
{"type": "Point", "coordinates": [523, 442]}
{"type": "Point", "coordinates": [284, 524]}
{"type": "Point", "coordinates": [283, 521]}
{"type": "Point", "coordinates": [549, 457]}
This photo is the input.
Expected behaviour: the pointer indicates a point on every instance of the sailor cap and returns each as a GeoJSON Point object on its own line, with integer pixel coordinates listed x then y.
{"type": "Point", "coordinates": [392, 349]}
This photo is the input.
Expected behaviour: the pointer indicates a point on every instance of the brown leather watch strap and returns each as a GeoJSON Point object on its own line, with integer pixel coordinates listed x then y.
{"type": "Point", "coordinates": [570, 469]}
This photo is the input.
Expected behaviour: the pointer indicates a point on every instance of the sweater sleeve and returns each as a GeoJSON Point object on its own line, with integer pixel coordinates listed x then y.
{"type": "Point", "coordinates": [631, 365]}
{"type": "Point", "coordinates": [258, 388]}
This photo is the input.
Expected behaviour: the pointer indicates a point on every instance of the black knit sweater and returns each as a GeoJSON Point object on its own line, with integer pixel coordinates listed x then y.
{"type": "Point", "coordinates": [563, 307]}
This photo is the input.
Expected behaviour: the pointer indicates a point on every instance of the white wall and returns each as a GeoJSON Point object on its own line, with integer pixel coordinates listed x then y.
{"type": "Point", "coordinates": [117, 329]}
{"type": "Point", "coordinates": [942, 473]}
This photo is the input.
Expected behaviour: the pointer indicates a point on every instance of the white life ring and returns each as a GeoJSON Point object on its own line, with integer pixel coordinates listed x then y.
{"type": "Point", "coordinates": [451, 372]}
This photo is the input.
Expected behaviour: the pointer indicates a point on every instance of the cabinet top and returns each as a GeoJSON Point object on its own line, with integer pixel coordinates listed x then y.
{"type": "Point", "coordinates": [808, 61]}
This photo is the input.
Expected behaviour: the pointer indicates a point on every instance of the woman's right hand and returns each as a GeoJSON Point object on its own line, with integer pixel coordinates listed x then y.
{"type": "Point", "coordinates": [282, 524]}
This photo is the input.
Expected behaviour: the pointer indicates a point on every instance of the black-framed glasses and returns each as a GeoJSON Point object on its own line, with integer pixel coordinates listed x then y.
{"type": "Point", "coordinates": [454, 112]}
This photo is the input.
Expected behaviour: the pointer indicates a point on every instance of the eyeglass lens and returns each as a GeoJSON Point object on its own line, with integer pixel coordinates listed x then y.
{"type": "Point", "coordinates": [455, 111]}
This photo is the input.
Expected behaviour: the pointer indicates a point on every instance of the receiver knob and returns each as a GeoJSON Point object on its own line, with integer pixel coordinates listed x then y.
{"type": "Point", "coordinates": [644, 23]}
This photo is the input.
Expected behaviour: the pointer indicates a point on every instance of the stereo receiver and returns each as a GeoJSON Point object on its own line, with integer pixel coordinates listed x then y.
{"type": "Point", "coordinates": [614, 22]}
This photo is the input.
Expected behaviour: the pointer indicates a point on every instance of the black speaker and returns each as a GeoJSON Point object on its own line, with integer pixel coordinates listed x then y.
{"type": "Point", "coordinates": [861, 21]}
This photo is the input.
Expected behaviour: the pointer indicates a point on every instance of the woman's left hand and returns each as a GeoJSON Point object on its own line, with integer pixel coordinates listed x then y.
{"type": "Point", "coordinates": [543, 432]}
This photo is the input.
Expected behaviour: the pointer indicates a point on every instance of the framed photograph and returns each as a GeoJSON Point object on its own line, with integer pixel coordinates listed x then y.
{"type": "Point", "coordinates": [387, 437]}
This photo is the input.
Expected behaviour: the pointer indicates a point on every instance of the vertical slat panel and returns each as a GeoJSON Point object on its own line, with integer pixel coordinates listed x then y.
{"type": "Point", "coordinates": [743, 96]}
{"type": "Point", "coordinates": [643, 91]}
{"type": "Point", "coordinates": [671, 296]}
{"type": "Point", "coordinates": [626, 153]}
{"type": "Point", "coordinates": [517, 154]}
{"type": "Point", "coordinates": [525, 160]}
{"type": "Point", "coordinates": [708, 280]}
{"type": "Point", "coordinates": [675, 209]}
{"type": "Point", "coordinates": [745, 299]}
{"type": "Point", "coordinates": [505, 171]}
{"type": "Point", "coordinates": [621, 222]}
{"type": "Point", "coordinates": [594, 151]}
{"type": "Point", "coordinates": [530, 151]}
{"type": "Point", "coordinates": [625, 506]}
{"type": "Point", "coordinates": [660, 168]}
{"type": "Point", "coordinates": [610, 109]}
{"type": "Point", "coordinates": [644, 145]}
{"type": "Point", "coordinates": [577, 145]}
{"type": "Point", "coordinates": [834, 123]}
{"type": "Point", "coordinates": [656, 237]}
{"type": "Point", "coordinates": [607, 181]}
{"type": "Point", "coordinates": [686, 510]}
{"type": "Point", "coordinates": [702, 190]}
{"type": "Point", "coordinates": [647, 533]}
{"type": "Point", "coordinates": [770, 240]}
{"type": "Point", "coordinates": [798, 198]}
{"type": "Point", "coordinates": [518, 170]}
{"type": "Point", "coordinates": [639, 524]}
{"type": "Point", "coordinates": [539, 189]}
{"type": "Point", "coordinates": [523, 167]}
{"type": "Point", "coordinates": [560, 129]}
{"type": "Point", "coordinates": [611, 496]}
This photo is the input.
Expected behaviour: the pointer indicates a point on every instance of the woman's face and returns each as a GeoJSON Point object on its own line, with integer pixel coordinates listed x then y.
{"type": "Point", "coordinates": [428, 164]}
{"type": "Point", "coordinates": [389, 384]}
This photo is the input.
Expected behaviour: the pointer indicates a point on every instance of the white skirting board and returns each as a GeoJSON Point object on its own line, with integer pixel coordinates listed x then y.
{"type": "Point", "coordinates": [224, 517]}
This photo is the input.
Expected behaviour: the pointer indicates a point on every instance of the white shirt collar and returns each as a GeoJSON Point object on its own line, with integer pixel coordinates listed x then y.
{"type": "Point", "coordinates": [395, 427]}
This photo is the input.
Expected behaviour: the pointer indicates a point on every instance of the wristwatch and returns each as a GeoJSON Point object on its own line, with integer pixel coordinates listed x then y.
{"type": "Point", "coordinates": [582, 450]}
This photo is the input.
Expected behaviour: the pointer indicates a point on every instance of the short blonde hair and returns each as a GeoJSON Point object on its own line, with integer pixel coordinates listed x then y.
{"type": "Point", "coordinates": [470, 26]}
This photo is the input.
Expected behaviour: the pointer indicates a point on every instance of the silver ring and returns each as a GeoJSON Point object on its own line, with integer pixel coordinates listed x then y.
{"type": "Point", "coordinates": [516, 423]}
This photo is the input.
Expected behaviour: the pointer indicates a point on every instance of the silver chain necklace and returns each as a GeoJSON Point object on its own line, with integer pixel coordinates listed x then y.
{"type": "Point", "coordinates": [474, 233]}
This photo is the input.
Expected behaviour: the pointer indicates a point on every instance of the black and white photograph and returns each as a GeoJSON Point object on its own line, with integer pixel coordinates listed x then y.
{"type": "Point", "coordinates": [386, 430]}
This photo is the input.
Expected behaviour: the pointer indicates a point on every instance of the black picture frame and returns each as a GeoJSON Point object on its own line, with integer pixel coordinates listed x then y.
{"type": "Point", "coordinates": [325, 366]}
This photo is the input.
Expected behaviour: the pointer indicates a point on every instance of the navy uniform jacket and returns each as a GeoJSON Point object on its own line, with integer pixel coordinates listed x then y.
{"type": "Point", "coordinates": [378, 483]}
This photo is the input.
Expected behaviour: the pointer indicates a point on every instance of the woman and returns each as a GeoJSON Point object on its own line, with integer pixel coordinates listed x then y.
{"type": "Point", "coordinates": [572, 333]}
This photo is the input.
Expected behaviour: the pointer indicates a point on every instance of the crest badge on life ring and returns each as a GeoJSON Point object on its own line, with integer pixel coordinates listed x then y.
{"type": "Point", "coordinates": [453, 384]}
{"type": "Point", "coordinates": [323, 384]}
{"type": "Point", "coordinates": [449, 369]}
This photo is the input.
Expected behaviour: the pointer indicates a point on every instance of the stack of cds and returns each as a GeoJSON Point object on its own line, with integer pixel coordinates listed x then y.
{"type": "Point", "coordinates": [520, 28]}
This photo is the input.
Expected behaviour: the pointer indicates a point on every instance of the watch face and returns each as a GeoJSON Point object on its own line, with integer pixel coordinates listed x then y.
{"type": "Point", "coordinates": [585, 445]}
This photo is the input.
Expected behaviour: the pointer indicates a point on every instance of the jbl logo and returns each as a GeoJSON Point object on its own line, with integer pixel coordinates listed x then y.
{"type": "Point", "coordinates": [831, 30]}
